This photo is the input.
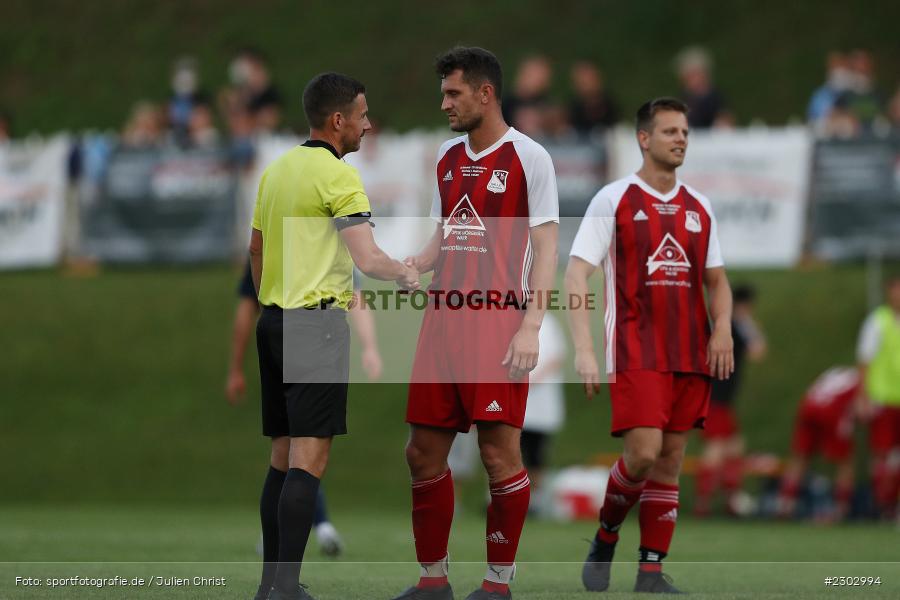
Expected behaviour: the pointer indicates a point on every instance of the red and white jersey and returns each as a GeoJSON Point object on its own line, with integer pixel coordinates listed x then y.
{"type": "Point", "coordinates": [656, 316]}
{"type": "Point", "coordinates": [486, 204]}
{"type": "Point", "coordinates": [833, 391]}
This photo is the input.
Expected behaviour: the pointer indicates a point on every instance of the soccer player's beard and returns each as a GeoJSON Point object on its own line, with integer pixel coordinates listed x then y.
{"type": "Point", "coordinates": [465, 126]}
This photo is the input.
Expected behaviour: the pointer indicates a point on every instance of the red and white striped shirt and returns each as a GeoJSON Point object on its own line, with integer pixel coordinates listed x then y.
{"type": "Point", "coordinates": [486, 203]}
{"type": "Point", "coordinates": [654, 249]}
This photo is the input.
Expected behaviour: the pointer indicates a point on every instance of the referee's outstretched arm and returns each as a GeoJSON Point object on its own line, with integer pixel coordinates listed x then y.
{"type": "Point", "coordinates": [373, 262]}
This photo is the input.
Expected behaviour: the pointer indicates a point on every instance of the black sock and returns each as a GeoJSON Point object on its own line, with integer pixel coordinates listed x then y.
{"type": "Point", "coordinates": [295, 514]}
{"type": "Point", "coordinates": [268, 516]}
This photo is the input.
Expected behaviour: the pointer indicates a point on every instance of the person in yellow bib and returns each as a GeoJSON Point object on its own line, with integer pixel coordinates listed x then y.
{"type": "Point", "coordinates": [310, 225]}
{"type": "Point", "coordinates": [878, 355]}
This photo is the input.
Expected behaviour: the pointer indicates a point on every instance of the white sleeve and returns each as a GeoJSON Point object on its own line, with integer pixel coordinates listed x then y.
{"type": "Point", "coordinates": [596, 230]}
{"type": "Point", "coordinates": [540, 177]}
{"type": "Point", "coordinates": [436, 204]}
{"type": "Point", "coordinates": [714, 251]}
{"type": "Point", "coordinates": [551, 339]}
{"type": "Point", "coordinates": [869, 340]}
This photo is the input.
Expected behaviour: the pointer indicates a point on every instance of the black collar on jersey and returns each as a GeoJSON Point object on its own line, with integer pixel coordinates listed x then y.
{"type": "Point", "coordinates": [321, 144]}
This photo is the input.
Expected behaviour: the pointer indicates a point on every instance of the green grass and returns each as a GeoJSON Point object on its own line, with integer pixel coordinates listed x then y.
{"type": "Point", "coordinates": [719, 559]}
{"type": "Point", "coordinates": [121, 455]}
{"type": "Point", "coordinates": [112, 388]}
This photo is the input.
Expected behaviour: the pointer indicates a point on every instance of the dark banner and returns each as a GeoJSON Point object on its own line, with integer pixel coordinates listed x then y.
{"type": "Point", "coordinates": [161, 205]}
{"type": "Point", "coordinates": [855, 198]}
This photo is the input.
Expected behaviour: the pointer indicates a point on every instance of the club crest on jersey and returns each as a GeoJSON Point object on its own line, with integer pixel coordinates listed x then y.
{"type": "Point", "coordinates": [497, 184]}
{"type": "Point", "coordinates": [669, 256]}
{"type": "Point", "coordinates": [463, 218]}
{"type": "Point", "coordinates": [692, 221]}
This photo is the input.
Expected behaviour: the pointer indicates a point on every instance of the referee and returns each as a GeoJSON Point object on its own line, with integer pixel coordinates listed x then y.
{"type": "Point", "coordinates": [310, 225]}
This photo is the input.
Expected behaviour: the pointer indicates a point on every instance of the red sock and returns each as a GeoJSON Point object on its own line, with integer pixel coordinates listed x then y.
{"type": "Point", "coordinates": [707, 481]}
{"type": "Point", "coordinates": [622, 492]}
{"type": "Point", "coordinates": [659, 511]}
{"type": "Point", "coordinates": [432, 515]}
{"type": "Point", "coordinates": [733, 474]}
{"type": "Point", "coordinates": [843, 495]}
{"type": "Point", "coordinates": [505, 519]}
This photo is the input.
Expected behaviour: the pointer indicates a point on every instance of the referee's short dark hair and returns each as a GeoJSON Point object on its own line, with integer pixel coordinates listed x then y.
{"type": "Point", "coordinates": [477, 65]}
{"type": "Point", "coordinates": [328, 93]}
{"type": "Point", "coordinates": [648, 110]}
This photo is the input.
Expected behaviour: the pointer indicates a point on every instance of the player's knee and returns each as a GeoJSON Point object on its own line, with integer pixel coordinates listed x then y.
{"type": "Point", "coordinates": [640, 461]}
{"type": "Point", "coordinates": [669, 465]}
{"type": "Point", "coordinates": [498, 460]}
{"type": "Point", "coordinates": [422, 463]}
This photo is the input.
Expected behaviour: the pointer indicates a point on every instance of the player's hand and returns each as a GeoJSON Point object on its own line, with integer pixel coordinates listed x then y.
{"type": "Point", "coordinates": [720, 354]}
{"type": "Point", "coordinates": [235, 387]}
{"type": "Point", "coordinates": [372, 364]}
{"type": "Point", "coordinates": [587, 368]}
{"type": "Point", "coordinates": [522, 354]}
{"type": "Point", "coordinates": [409, 281]}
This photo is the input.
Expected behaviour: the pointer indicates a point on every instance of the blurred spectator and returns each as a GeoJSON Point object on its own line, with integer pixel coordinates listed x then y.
{"type": "Point", "coordinates": [839, 79]}
{"type": "Point", "coordinates": [591, 106]}
{"type": "Point", "coordinates": [145, 126]}
{"type": "Point", "coordinates": [240, 123]}
{"type": "Point", "coordinates": [5, 127]}
{"type": "Point", "coordinates": [523, 107]}
{"type": "Point", "coordinates": [893, 111]}
{"type": "Point", "coordinates": [555, 123]}
{"type": "Point", "coordinates": [253, 88]}
{"type": "Point", "coordinates": [864, 100]}
{"type": "Point", "coordinates": [705, 103]}
{"type": "Point", "coordinates": [202, 131]}
{"type": "Point", "coordinates": [185, 83]}
{"type": "Point", "coordinates": [841, 122]}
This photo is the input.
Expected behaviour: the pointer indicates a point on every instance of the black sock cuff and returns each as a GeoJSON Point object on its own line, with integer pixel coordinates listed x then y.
{"type": "Point", "coordinates": [649, 555]}
{"type": "Point", "coordinates": [302, 475]}
{"type": "Point", "coordinates": [277, 473]}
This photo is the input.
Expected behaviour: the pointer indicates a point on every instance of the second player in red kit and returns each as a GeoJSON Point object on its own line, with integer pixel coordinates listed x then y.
{"type": "Point", "coordinates": [656, 240]}
{"type": "Point", "coordinates": [493, 254]}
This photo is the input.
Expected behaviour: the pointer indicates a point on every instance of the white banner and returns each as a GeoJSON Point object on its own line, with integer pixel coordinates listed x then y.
{"type": "Point", "coordinates": [32, 202]}
{"type": "Point", "coordinates": [397, 172]}
{"type": "Point", "coordinates": [756, 180]}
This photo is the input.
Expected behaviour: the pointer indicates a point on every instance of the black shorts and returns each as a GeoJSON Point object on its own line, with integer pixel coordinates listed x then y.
{"type": "Point", "coordinates": [534, 449]}
{"type": "Point", "coordinates": [304, 367]}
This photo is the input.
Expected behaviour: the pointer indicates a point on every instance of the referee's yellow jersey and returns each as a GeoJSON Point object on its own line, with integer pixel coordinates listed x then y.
{"type": "Point", "coordinates": [304, 198]}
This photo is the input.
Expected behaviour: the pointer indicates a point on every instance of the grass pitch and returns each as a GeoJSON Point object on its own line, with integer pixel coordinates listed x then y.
{"type": "Point", "coordinates": [715, 559]}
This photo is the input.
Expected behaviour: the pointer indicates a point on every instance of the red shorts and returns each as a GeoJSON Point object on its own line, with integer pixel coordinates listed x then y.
{"type": "Point", "coordinates": [823, 431]}
{"type": "Point", "coordinates": [458, 405]}
{"type": "Point", "coordinates": [884, 430]}
{"type": "Point", "coordinates": [721, 422]}
{"type": "Point", "coordinates": [662, 400]}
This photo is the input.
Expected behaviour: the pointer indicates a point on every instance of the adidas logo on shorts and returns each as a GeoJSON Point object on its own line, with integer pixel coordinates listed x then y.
{"type": "Point", "coordinates": [493, 407]}
{"type": "Point", "coordinates": [497, 538]}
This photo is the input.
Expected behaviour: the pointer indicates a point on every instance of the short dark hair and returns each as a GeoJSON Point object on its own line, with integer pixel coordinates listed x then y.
{"type": "Point", "coordinates": [648, 110]}
{"type": "Point", "coordinates": [744, 294]}
{"type": "Point", "coordinates": [328, 93]}
{"type": "Point", "coordinates": [477, 65]}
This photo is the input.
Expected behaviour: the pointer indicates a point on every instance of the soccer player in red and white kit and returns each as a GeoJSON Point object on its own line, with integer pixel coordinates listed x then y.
{"type": "Point", "coordinates": [824, 424]}
{"type": "Point", "coordinates": [655, 238]}
{"type": "Point", "coordinates": [496, 246]}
